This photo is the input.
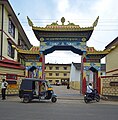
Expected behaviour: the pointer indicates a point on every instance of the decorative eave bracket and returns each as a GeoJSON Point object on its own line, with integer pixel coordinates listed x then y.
{"type": "Point", "coordinates": [30, 22]}
{"type": "Point", "coordinates": [96, 22]}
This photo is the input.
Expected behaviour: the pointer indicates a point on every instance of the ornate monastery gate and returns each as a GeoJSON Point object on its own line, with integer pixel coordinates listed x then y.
{"type": "Point", "coordinates": [70, 37]}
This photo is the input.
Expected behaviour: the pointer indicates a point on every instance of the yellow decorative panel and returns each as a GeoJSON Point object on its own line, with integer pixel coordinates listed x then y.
{"type": "Point", "coordinates": [12, 86]}
{"type": "Point", "coordinates": [89, 64]}
{"type": "Point", "coordinates": [30, 63]}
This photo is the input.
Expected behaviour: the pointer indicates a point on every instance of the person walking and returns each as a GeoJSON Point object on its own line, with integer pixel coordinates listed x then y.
{"type": "Point", "coordinates": [3, 89]}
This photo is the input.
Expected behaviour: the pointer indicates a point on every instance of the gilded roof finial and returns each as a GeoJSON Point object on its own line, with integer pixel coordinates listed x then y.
{"type": "Point", "coordinates": [29, 22]}
{"type": "Point", "coordinates": [69, 23]}
{"type": "Point", "coordinates": [96, 22]}
{"type": "Point", "coordinates": [55, 23]}
{"type": "Point", "coordinates": [62, 20]}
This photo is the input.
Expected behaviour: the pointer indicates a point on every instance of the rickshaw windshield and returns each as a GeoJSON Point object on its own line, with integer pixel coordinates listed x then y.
{"type": "Point", "coordinates": [48, 84]}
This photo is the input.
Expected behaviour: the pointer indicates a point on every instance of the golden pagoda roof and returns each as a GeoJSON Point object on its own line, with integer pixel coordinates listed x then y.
{"type": "Point", "coordinates": [92, 51]}
{"type": "Point", "coordinates": [69, 27]}
{"type": "Point", "coordinates": [34, 50]}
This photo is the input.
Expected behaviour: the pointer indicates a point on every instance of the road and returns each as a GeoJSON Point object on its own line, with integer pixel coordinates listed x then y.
{"type": "Point", "coordinates": [64, 109]}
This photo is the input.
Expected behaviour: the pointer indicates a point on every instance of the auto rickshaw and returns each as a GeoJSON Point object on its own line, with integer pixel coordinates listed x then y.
{"type": "Point", "coordinates": [30, 89]}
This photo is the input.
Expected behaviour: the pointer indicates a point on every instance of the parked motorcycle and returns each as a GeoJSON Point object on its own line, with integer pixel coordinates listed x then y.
{"type": "Point", "coordinates": [91, 97]}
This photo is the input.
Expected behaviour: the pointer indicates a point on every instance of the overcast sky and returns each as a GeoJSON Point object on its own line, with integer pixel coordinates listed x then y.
{"type": "Point", "coordinates": [80, 12]}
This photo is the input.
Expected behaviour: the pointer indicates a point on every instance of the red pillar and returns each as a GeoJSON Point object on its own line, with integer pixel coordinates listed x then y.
{"type": "Point", "coordinates": [98, 84]}
{"type": "Point", "coordinates": [84, 86]}
{"type": "Point", "coordinates": [43, 67]}
{"type": "Point", "coordinates": [83, 77]}
{"type": "Point", "coordinates": [42, 59]}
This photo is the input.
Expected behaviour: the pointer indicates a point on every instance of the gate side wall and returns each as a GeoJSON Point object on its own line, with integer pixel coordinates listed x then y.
{"type": "Point", "coordinates": [109, 86]}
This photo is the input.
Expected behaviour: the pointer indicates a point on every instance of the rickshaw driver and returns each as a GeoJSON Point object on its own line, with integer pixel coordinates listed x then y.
{"type": "Point", "coordinates": [43, 89]}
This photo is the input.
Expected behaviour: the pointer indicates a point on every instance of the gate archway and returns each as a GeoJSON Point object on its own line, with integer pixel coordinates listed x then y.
{"type": "Point", "coordinates": [68, 37]}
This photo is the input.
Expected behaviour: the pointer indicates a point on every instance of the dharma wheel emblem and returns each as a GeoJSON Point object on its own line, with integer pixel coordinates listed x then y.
{"type": "Point", "coordinates": [83, 39]}
{"type": "Point", "coordinates": [41, 39]}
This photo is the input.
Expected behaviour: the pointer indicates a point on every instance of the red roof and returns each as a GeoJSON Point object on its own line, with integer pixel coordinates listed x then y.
{"type": "Point", "coordinates": [5, 60]}
{"type": "Point", "coordinates": [35, 48]}
{"type": "Point", "coordinates": [11, 64]}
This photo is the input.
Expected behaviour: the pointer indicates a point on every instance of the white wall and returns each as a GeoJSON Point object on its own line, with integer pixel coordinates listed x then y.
{"type": "Point", "coordinates": [74, 74]}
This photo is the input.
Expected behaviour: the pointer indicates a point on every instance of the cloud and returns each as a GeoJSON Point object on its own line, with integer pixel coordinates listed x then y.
{"type": "Point", "coordinates": [62, 5]}
{"type": "Point", "coordinates": [106, 29]}
{"type": "Point", "coordinates": [101, 7]}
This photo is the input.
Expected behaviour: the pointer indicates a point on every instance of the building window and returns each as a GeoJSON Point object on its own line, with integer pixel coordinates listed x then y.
{"type": "Point", "coordinates": [57, 74]}
{"type": "Point", "coordinates": [57, 68]}
{"type": "Point", "coordinates": [50, 81]}
{"type": "Point", "coordinates": [21, 44]}
{"type": "Point", "coordinates": [50, 74]}
{"type": "Point", "coordinates": [65, 74]}
{"type": "Point", "coordinates": [65, 68]}
{"type": "Point", "coordinates": [11, 28]}
{"type": "Point", "coordinates": [50, 68]}
{"type": "Point", "coordinates": [10, 50]}
{"type": "Point", "coordinates": [57, 81]}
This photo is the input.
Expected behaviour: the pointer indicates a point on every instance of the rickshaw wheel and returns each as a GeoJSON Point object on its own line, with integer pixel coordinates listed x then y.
{"type": "Point", "coordinates": [26, 99]}
{"type": "Point", "coordinates": [54, 99]}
